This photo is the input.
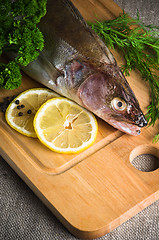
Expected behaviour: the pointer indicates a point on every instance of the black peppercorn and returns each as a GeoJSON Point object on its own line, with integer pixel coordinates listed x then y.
{"type": "Point", "coordinates": [18, 107]}
{"type": "Point", "coordinates": [3, 109]}
{"type": "Point", "coordinates": [22, 106]}
{"type": "Point", "coordinates": [17, 102]}
{"type": "Point", "coordinates": [29, 111]}
{"type": "Point", "coordinates": [6, 102]}
{"type": "Point", "coordinates": [20, 114]}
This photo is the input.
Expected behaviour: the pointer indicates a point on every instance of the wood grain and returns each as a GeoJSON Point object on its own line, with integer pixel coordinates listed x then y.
{"type": "Point", "coordinates": [93, 192]}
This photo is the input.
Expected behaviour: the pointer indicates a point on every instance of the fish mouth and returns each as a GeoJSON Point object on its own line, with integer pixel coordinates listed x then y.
{"type": "Point", "coordinates": [141, 121]}
{"type": "Point", "coordinates": [128, 128]}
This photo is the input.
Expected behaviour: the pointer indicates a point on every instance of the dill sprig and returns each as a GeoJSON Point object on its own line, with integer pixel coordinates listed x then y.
{"type": "Point", "coordinates": [140, 46]}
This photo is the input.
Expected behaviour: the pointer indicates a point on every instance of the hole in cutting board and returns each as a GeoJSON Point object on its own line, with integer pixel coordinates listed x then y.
{"type": "Point", "coordinates": [146, 162]}
{"type": "Point", "coordinates": [145, 158]}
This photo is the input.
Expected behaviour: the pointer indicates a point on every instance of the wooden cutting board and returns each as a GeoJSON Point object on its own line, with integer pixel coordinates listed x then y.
{"type": "Point", "coordinates": [93, 192]}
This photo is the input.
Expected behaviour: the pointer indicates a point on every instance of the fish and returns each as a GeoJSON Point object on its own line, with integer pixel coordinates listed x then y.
{"type": "Point", "coordinates": [77, 64]}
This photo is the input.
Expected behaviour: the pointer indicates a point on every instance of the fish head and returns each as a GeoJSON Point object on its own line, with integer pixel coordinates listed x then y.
{"type": "Point", "coordinates": [107, 93]}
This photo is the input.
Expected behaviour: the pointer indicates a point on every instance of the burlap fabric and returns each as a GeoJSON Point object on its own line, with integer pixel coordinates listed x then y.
{"type": "Point", "coordinates": [24, 217]}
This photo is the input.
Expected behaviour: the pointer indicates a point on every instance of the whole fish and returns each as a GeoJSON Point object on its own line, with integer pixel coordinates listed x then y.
{"type": "Point", "coordinates": [76, 63]}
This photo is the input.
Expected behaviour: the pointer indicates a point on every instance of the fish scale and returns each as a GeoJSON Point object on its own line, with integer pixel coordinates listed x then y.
{"type": "Point", "coordinates": [78, 65]}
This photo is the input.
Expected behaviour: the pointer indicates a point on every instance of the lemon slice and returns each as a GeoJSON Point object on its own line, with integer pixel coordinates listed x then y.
{"type": "Point", "coordinates": [21, 111]}
{"type": "Point", "coordinates": [65, 127]}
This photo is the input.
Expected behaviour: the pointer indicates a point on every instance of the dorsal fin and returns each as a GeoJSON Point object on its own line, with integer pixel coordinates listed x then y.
{"type": "Point", "coordinates": [65, 20]}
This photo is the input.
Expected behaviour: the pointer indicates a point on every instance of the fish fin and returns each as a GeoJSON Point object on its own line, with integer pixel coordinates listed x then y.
{"type": "Point", "coordinates": [73, 10]}
{"type": "Point", "coordinates": [108, 55]}
{"type": "Point", "coordinates": [43, 71]}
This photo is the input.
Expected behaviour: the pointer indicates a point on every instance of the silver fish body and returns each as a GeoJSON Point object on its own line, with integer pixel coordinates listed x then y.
{"type": "Point", "coordinates": [76, 63]}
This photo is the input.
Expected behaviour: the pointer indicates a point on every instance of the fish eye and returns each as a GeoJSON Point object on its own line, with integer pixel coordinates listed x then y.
{"type": "Point", "coordinates": [118, 104]}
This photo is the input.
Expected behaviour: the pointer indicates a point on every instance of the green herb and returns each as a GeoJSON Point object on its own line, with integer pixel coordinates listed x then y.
{"type": "Point", "coordinates": [140, 46]}
{"type": "Point", "coordinates": [19, 33]}
{"type": "Point", "coordinates": [156, 138]}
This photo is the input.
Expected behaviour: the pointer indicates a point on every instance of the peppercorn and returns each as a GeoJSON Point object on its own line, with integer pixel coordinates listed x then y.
{"type": "Point", "coordinates": [17, 102]}
{"type": "Point", "coordinates": [22, 106]}
{"type": "Point", "coordinates": [3, 109]}
{"type": "Point", "coordinates": [18, 107]}
{"type": "Point", "coordinates": [6, 101]}
{"type": "Point", "coordinates": [29, 111]}
{"type": "Point", "coordinates": [3, 106]}
{"type": "Point", "coordinates": [20, 114]}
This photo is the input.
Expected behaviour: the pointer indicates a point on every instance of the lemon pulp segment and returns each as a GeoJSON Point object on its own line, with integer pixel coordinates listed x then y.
{"type": "Point", "coordinates": [64, 126]}
{"type": "Point", "coordinates": [31, 100]}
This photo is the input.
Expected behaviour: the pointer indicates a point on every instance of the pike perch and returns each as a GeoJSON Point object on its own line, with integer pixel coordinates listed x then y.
{"type": "Point", "coordinates": [76, 63]}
